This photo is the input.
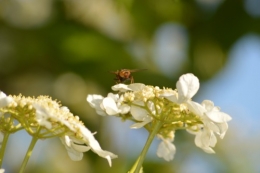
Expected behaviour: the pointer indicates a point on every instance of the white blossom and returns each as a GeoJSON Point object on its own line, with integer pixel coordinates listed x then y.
{"type": "Point", "coordinates": [4, 100]}
{"type": "Point", "coordinates": [131, 87]}
{"type": "Point", "coordinates": [43, 118]}
{"type": "Point", "coordinates": [75, 148]}
{"type": "Point", "coordinates": [141, 115]}
{"type": "Point", "coordinates": [215, 119]}
{"type": "Point", "coordinates": [214, 122]}
{"type": "Point", "coordinates": [175, 109]}
{"type": "Point", "coordinates": [110, 105]}
{"type": "Point", "coordinates": [94, 145]}
{"type": "Point", "coordinates": [95, 102]}
{"type": "Point", "coordinates": [204, 138]}
{"type": "Point", "coordinates": [166, 148]}
{"type": "Point", "coordinates": [187, 87]}
{"type": "Point", "coordinates": [121, 87]}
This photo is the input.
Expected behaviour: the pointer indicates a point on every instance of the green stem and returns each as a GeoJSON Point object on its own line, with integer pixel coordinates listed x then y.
{"type": "Point", "coordinates": [134, 166]}
{"type": "Point", "coordinates": [28, 154]}
{"type": "Point", "coordinates": [139, 162]}
{"type": "Point", "coordinates": [3, 147]}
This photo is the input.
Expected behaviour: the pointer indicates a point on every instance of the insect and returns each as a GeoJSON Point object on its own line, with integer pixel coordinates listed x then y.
{"type": "Point", "coordinates": [124, 75]}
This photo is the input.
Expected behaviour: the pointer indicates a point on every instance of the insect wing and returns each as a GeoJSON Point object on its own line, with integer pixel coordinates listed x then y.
{"type": "Point", "coordinates": [136, 70]}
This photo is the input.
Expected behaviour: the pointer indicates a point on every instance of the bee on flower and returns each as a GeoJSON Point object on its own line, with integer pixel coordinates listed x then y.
{"type": "Point", "coordinates": [165, 110]}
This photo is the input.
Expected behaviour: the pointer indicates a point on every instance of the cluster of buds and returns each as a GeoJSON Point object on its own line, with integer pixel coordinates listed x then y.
{"type": "Point", "coordinates": [44, 118]}
{"type": "Point", "coordinates": [147, 105]}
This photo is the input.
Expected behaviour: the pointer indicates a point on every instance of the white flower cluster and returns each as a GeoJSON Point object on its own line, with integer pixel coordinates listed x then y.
{"type": "Point", "coordinates": [174, 108]}
{"type": "Point", "coordinates": [43, 117]}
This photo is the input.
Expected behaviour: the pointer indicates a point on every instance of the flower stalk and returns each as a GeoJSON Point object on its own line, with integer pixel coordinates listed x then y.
{"type": "Point", "coordinates": [139, 162]}
{"type": "Point", "coordinates": [3, 147]}
{"type": "Point", "coordinates": [28, 154]}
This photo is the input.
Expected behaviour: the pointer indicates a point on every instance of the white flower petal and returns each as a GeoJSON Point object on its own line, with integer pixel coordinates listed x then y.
{"type": "Point", "coordinates": [223, 127]}
{"type": "Point", "coordinates": [139, 114]}
{"type": "Point", "coordinates": [171, 95]}
{"type": "Point", "coordinates": [4, 100]}
{"type": "Point", "coordinates": [80, 148]}
{"type": "Point", "coordinates": [101, 112]}
{"type": "Point", "coordinates": [107, 155]}
{"type": "Point", "coordinates": [141, 124]}
{"type": "Point", "coordinates": [95, 147]}
{"type": "Point", "coordinates": [195, 108]}
{"type": "Point", "coordinates": [151, 107]}
{"type": "Point", "coordinates": [138, 102]}
{"type": "Point", "coordinates": [42, 116]}
{"type": "Point", "coordinates": [95, 101]}
{"type": "Point", "coordinates": [213, 113]}
{"type": "Point", "coordinates": [93, 143]}
{"type": "Point", "coordinates": [208, 150]}
{"type": "Point", "coordinates": [76, 146]}
{"type": "Point", "coordinates": [172, 98]}
{"type": "Point", "coordinates": [136, 86]}
{"type": "Point", "coordinates": [74, 154]}
{"type": "Point", "coordinates": [192, 130]}
{"type": "Point", "coordinates": [198, 141]}
{"type": "Point", "coordinates": [208, 105]}
{"type": "Point", "coordinates": [109, 160]}
{"type": "Point", "coordinates": [115, 97]}
{"type": "Point", "coordinates": [209, 139]}
{"type": "Point", "coordinates": [212, 126]}
{"type": "Point", "coordinates": [205, 139]}
{"type": "Point", "coordinates": [218, 117]}
{"type": "Point", "coordinates": [168, 93]}
{"type": "Point", "coordinates": [166, 150]}
{"type": "Point", "coordinates": [110, 106]}
{"type": "Point", "coordinates": [187, 87]}
{"type": "Point", "coordinates": [67, 140]}
{"type": "Point", "coordinates": [121, 87]}
{"type": "Point", "coordinates": [124, 109]}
